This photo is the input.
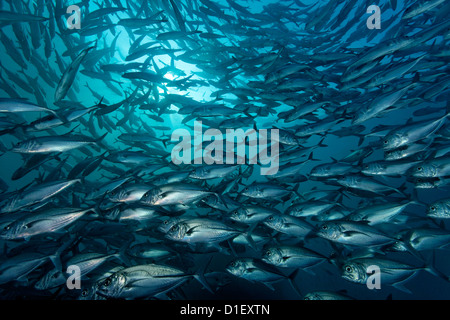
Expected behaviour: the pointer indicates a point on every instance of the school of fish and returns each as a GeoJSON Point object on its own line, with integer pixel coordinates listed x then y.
{"type": "Point", "coordinates": [88, 183]}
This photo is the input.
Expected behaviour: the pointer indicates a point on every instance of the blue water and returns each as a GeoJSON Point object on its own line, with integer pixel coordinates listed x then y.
{"type": "Point", "coordinates": [288, 28]}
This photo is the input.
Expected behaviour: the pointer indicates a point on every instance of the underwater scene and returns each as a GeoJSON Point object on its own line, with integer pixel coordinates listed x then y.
{"type": "Point", "coordinates": [224, 149]}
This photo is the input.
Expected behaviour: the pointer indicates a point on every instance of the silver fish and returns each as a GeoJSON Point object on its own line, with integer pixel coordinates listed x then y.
{"type": "Point", "coordinates": [289, 225]}
{"type": "Point", "coordinates": [439, 209]}
{"type": "Point", "coordinates": [69, 75]}
{"type": "Point", "coordinates": [141, 281]}
{"type": "Point", "coordinates": [47, 221]}
{"type": "Point", "coordinates": [353, 233]}
{"type": "Point", "coordinates": [49, 144]}
{"type": "Point", "coordinates": [292, 257]}
{"type": "Point", "coordinates": [35, 194]}
{"type": "Point", "coordinates": [201, 230]}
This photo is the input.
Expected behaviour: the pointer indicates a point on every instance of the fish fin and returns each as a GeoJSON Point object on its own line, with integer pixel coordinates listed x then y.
{"type": "Point", "coordinates": [401, 287]}
{"type": "Point", "coordinates": [311, 157]}
{"type": "Point", "coordinates": [361, 140]}
{"type": "Point", "coordinates": [309, 271]}
{"type": "Point", "coordinates": [321, 144]}
{"type": "Point", "coordinates": [200, 276]}
{"type": "Point", "coordinates": [249, 238]}
{"type": "Point", "coordinates": [291, 279]}
{"type": "Point", "coordinates": [122, 255]}
{"type": "Point", "coordinates": [233, 252]}
{"type": "Point", "coordinates": [56, 260]}
{"type": "Point", "coordinates": [269, 285]}
{"type": "Point", "coordinates": [430, 267]}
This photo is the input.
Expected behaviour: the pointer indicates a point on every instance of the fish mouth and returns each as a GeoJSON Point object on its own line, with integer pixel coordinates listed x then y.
{"type": "Point", "coordinates": [349, 277]}
{"type": "Point", "coordinates": [230, 270]}
{"type": "Point", "coordinates": [430, 215]}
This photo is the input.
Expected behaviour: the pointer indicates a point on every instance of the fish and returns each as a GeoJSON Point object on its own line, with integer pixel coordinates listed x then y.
{"type": "Point", "coordinates": [325, 295]}
{"type": "Point", "coordinates": [150, 251]}
{"type": "Point", "coordinates": [87, 262]}
{"type": "Point", "coordinates": [9, 17]}
{"type": "Point", "coordinates": [17, 105]}
{"type": "Point", "coordinates": [435, 168]}
{"type": "Point", "coordinates": [252, 214]}
{"type": "Point", "coordinates": [38, 223]}
{"type": "Point", "coordinates": [378, 213]}
{"type": "Point", "coordinates": [292, 257]}
{"type": "Point", "coordinates": [366, 184]}
{"type": "Point", "coordinates": [394, 273]}
{"type": "Point", "coordinates": [69, 75]}
{"type": "Point", "coordinates": [353, 233]}
{"type": "Point", "coordinates": [419, 8]}
{"type": "Point", "coordinates": [34, 195]}
{"type": "Point", "coordinates": [289, 225]}
{"type": "Point", "coordinates": [201, 230]}
{"type": "Point", "coordinates": [140, 281]}
{"type": "Point", "coordinates": [439, 209]}
{"type": "Point", "coordinates": [310, 208]}
{"type": "Point", "coordinates": [264, 191]}
{"type": "Point", "coordinates": [257, 271]}
{"type": "Point", "coordinates": [379, 104]}
{"type": "Point", "coordinates": [16, 269]}
{"type": "Point", "coordinates": [387, 168]}
{"type": "Point", "coordinates": [50, 144]}
{"type": "Point", "coordinates": [411, 133]}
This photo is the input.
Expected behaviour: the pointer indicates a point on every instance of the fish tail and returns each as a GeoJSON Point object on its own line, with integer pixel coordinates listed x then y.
{"type": "Point", "coordinates": [122, 254]}
{"type": "Point", "coordinates": [291, 279]}
{"type": "Point", "coordinates": [430, 267]}
{"type": "Point", "coordinates": [200, 276]}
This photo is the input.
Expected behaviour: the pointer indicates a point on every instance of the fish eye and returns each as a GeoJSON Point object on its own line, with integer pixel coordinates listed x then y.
{"type": "Point", "coordinates": [385, 142]}
{"type": "Point", "coordinates": [7, 228]}
{"type": "Point", "coordinates": [270, 218]}
{"type": "Point", "coordinates": [112, 193]}
{"type": "Point", "coordinates": [324, 227]}
{"type": "Point", "coordinates": [433, 208]}
{"type": "Point", "coordinates": [233, 264]}
{"type": "Point", "coordinates": [268, 253]}
{"type": "Point", "coordinates": [419, 169]}
{"type": "Point", "coordinates": [107, 282]}
{"type": "Point", "coordinates": [166, 222]}
{"type": "Point", "coordinates": [348, 269]}
{"type": "Point", "coordinates": [84, 293]}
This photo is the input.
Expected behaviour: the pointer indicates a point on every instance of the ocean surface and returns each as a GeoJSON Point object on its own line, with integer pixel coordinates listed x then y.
{"type": "Point", "coordinates": [97, 99]}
